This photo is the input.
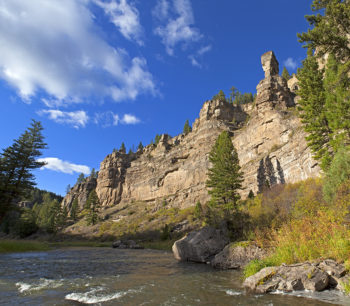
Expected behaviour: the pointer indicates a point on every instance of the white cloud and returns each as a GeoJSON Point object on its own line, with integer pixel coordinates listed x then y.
{"type": "Point", "coordinates": [195, 58]}
{"type": "Point", "coordinates": [106, 119]}
{"type": "Point", "coordinates": [76, 119]}
{"type": "Point", "coordinates": [130, 119]}
{"type": "Point", "coordinates": [194, 61]}
{"type": "Point", "coordinates": [125, 17]}
{"type": "Point", "coordinates": [161, 10]}
{"type": "Point", "coordinates": [204, 50]}
{"type": "Point", "coordinates": [54, 47]}
{"type": "Point", "coordinates": [58, 165]}
{"type": "Point", "coordinates": [177, 29]}
{"type": "Point", "coordinates": [290, 63]}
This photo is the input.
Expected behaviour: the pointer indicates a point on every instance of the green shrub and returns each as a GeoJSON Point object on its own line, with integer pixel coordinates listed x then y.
{"type": "Point", "coordinates": [256, 265]}
{"type": "Point", "coordinates": [25, 225]}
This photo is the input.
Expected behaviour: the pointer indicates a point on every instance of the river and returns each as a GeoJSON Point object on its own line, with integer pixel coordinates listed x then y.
{"type": "Point", "coordinates": [106, 276]}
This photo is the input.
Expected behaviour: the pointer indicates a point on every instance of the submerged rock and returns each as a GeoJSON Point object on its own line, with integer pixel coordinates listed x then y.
{"type": "Point", "coordinates": [235, 256]}
{"type": "Point", "coordinates": [128, 244]}
{"type": "Point", "coordinates": [319, 276]}
{"type": "Point", "coordinates": [200, 246]}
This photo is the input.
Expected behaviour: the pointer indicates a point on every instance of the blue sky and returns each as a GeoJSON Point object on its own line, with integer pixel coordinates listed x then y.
{"type": "Point", "coordinates": [100, 72]}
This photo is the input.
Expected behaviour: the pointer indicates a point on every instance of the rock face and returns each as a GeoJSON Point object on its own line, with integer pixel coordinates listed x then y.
{"type": "Point", "coordinates": [80, 192]}
{"type": "Point", "coordinates": [273, 91]}
{"type": "Point", "coordinates": [267, 135]}
{"type": "Point", "coordinates": [200, 246]}
{"type": "Point", "coordinates": [303, 276]}
{"type": "Point", "coordinates": [272, 147]}
{"type": "Point", "coordinates": [234, 257]}
{"type": "Point", "coordinates": [269, 64]}
{"type": "Point", "coordinates": [175, 170]}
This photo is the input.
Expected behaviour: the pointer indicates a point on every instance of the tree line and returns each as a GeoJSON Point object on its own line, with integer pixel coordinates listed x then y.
{"type": "Point", "coordinates": [235, 97]}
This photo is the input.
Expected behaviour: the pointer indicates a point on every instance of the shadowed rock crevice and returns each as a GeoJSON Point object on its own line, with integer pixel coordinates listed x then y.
{"type": "Point", "coordinates": [268, 174]}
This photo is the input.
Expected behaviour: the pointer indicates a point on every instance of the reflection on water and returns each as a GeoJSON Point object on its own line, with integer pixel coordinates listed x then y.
{"type": "Point", "coordinates": [128, 277]}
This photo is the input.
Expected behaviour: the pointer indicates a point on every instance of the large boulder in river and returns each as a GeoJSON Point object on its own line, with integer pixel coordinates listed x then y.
{"type": "Point", "coordinates": [235, 256]}
{"type": "Point", "coordinates": [304, 276]}
{"type": "Point", "coordinates": [200, 246]}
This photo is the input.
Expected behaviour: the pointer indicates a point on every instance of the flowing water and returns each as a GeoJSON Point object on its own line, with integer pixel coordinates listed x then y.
{"type": "Point", "coordinates": [104, 276]}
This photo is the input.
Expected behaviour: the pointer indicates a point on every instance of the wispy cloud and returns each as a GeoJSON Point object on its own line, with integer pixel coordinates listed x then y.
{"type": "Point", "coordinates": [195, 58]}
{"type": "Point", "coordinates": [178, 27]}
{"type": "Point", "coordinates": [204, 50]}
{"type": "Point", "coordinates": [194, 61]}
{"type": "Point", "coordinates": [106, 119]}
{"type": "Point", "coordinates": [55, 47]}
{"type": "Point", "coordinates": [161, 10]}
{"type": "Point", "coordinates": [125, 17]}
{"type": "Point", "coordinates": [290, 63]}
{"type": "Point", "coordinates": [58, 165]}
{"type": "Point", "coordinates": [76, 119]}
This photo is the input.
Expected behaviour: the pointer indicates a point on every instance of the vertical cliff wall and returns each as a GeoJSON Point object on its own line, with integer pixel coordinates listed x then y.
{"type": "Point", "coordinates": [267, 135]}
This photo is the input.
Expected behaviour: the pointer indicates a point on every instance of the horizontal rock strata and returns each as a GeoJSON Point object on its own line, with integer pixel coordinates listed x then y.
{"type": "Point", "coordinates": [268, 136]}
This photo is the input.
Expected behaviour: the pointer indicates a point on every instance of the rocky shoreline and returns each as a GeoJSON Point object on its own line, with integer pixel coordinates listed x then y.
{"type": "Point", "coordinates": [211, 246]}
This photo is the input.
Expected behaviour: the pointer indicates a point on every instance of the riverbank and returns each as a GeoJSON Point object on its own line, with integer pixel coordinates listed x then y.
{"type": "Point", "coordinates": [21, 245]}
{"type": "Point", "coordinates": [12, 246]}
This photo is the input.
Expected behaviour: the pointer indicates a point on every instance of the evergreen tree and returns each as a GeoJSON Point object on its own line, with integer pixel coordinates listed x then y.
{"type": "Point", "coordinates": [55, 216]}
{"type": "Point", "coordinates": [337, 93]}
{"type": "Point", "coordinates": [312, 109]}
{"type": "Point", "coordinates": [93, 173]}
{"type": "Point", "coordinates": [74, 210]}
{"type": "Point", "coordinates": [92, 205]}
{"type": "Point", "coordinates": [338, 173]}
{"type": "Point", "coordinates": [285, 74]}
{"type": "Point", "coordinates": [220, 96]}
{"type": "Point", "coordinates": [156, 139]}
{"type": "Point", "coordinates": [81, 178]}
{"type": "Point", "coordinates": [130, 151]}
{"type": "Point", "coordinates": [187, 128]}
{"type": "Point", "coordinates": [68, 188]}
{"type": "Point", "coordinates": [140, 146]}
{"type": "Point", "coordinates": [16, 164]}
{"type": "Point", "coordinates": [122, 148]}
{"type": "Point", "coordinates": [233, 94]}
{"type": "Point", "coordinates": [49, 216]}
{"type": "Point", "coordinates": [224, 177]}
{"type": "Point", "coordinates": [63, 216]}
{"type": "Point", "coordinates": [330, 29]}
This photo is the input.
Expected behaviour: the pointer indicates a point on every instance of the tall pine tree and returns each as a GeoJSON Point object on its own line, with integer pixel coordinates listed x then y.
{"type": "Point", "coordinates": [312, 110]}
{"type": "Point", "coordinates": [92, 205]}
{"type": "Point", "coordinates": [16, 165]}
{"type": "Point", "coordinates": [224, 177]}
{"type": "Point", "coordinates": [331, 29]}
{"type": "Point", "coordinates": [337, 93]}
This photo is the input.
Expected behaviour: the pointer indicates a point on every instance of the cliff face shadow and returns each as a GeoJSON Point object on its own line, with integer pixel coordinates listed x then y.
{"type": "Point", "coordinates": [268, 174]}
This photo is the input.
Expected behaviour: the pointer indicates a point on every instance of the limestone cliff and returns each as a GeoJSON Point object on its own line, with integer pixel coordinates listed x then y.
{"type": "Point", "coordinates": [267, 135]}
{"type": "Point", "coordinates": [81, 192]}
{"type": "Point", "coordinates": [174, 170]}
